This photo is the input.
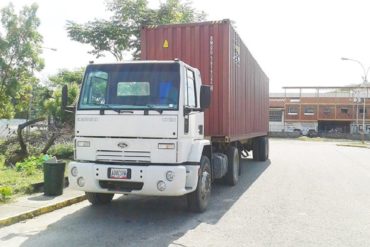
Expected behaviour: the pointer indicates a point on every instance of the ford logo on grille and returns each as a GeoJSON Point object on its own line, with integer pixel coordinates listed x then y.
{"type": "Point", "coordinates": [122, 145]}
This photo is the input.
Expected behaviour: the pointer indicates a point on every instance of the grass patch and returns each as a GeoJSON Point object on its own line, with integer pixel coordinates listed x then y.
{"type": "Point", "coordinates": [13, 183]}
{"type": "Point", "coordinates": [323, 139]}
{"type": "Point", "coordinates": [316, 139]}
{"type": "Point", "coordinates": [18, 180]}
{"type": "Point", "coordinates": [311, 139]}
{"type": "Point", "coordinates": [355, 145]}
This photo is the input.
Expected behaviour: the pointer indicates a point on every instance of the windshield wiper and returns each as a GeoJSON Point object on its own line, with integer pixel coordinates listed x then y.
{"type": "Point", "coordinates": [152, 107]}
{"type": "Point", "coordinates": [108, 108]}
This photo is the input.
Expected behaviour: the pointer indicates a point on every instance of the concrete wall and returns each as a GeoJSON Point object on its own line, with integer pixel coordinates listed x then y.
{"type": "Point", "coordinates": [284, 134]}
{"type": "Point", "coordinates": [276, 126]}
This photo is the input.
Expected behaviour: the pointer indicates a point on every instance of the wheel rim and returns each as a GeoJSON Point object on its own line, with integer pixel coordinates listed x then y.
{"type": "Point", "coordinates": [205, 185]}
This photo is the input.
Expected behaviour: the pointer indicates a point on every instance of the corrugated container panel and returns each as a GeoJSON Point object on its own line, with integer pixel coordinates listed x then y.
{"type": "Point", "coordinates": [240, 99]}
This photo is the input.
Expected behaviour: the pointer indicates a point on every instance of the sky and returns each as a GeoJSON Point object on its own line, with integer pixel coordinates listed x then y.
{"type": "Point", "coordinates": [296, 42]}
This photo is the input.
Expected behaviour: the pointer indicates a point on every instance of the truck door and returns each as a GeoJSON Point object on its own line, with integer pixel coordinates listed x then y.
{"type": "Point", "coordinates": [194, 126]}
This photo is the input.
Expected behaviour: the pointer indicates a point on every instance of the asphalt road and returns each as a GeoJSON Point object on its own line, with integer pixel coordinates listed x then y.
{"type": "Point", "coordinates": [307, 194]}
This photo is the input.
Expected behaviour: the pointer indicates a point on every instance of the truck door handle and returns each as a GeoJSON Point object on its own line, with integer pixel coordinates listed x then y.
{"type": "Point", "coordinates": [186, 124]}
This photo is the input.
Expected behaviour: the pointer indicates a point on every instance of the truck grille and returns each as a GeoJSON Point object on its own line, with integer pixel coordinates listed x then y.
{"type": "Point", "coordinates": [122, 156]}
{"type": "Point", "coordinates": [121, 186]}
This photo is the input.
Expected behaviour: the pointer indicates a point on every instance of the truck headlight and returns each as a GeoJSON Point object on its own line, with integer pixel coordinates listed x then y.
{"type": "Point", "coordinates": [161, 186]}
{"type": "Point", "coordinates": [166, 145]}
{"type": "Point", "coordinates": [81, 182]}
{"type": "Point", "coordinates": [83, 143]}
{"type": "Point", "coordinates": [74, 171]}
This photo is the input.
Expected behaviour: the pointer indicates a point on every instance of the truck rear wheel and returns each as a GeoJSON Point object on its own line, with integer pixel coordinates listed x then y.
{"type": "Point", "coordinates": [99, 198]}
{"type": "Point", "coordinates": [261, 148]}
{"type": "Point", "coordinates": [198, 199]}
{"type": "Point", "coordinates": [233, 167]}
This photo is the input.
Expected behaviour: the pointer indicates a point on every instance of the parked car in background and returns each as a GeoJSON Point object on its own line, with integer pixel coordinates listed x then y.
{"type": "Point", "coordinates": [312, 133]}
{"type": "Point", "coordinates": [299, 131]}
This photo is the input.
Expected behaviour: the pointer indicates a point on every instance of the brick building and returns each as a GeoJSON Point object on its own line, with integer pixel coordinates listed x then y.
{"type": "Point", "coordinates": [324, 109]}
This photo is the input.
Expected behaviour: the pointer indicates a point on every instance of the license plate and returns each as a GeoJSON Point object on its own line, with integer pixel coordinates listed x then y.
{"type": "Point", "coordinates": [119, 173]}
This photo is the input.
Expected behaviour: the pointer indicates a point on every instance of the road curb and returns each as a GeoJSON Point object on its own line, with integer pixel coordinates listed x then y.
{"type": "Point", "coordinates": [39, 211]}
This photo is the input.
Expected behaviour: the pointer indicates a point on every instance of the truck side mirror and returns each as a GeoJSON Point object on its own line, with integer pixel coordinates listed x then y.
{"type": "Point", "coordinates": [64, 97]}
{"type": "Point", "coordinates": [205, 97]}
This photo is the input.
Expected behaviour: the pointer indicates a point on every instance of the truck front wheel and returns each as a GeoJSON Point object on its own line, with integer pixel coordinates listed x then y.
{"type": "Point", "coordinates": [198, 199]}
{"type": "Point", "coordinates": [99, 198]}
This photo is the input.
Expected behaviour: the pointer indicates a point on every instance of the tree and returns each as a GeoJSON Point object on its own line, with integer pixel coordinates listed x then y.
{"type": "Point", "coordinates": [52, 105]}
{"type": "Point", "coordinates": [46, 102]}
{"type": "Point", "coordinates": [20, 49]}
{"type": "Point", "coordinates": [66, 77]}
{"type": "Point", "coordinates": [122, 31]}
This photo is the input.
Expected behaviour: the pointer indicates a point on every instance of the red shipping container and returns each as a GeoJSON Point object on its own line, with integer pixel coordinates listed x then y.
{"type": "Point", "coordinates": [240, 89]}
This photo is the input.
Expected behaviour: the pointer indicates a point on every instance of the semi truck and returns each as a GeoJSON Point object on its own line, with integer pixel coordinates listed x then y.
{"type": "Point", "coordinates": [173, 122]}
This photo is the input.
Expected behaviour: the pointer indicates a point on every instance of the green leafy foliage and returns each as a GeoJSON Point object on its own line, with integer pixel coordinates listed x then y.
{"type": "Point", "coordinates": [31, 164]}
{"type": "Point", "coordinates": [17, 181]}
{"type": "Point", "coordinates": [62, 151]}
{"type": "Point", "coordinates": [67, 77]}
{"type": "Point", "coordinates": [122, 31]}
{"type": "Point", "coordinates": [2, 161]}
{"type": "Point", "coordinates": [5, 193]}
{"type": "Point", "coordinates": [40, 94]}
{"type": "Point", "coordinates": [52, 104]}
{"type": "Point", "coordinates": [20, 49]}
{"type": "Point", "coordinates": [9, 149]}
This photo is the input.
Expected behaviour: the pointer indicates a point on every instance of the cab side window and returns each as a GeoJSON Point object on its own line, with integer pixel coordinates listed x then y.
{"type": "Point", "coordinates": [96, 87]}
{"type": "Point", "coordinates": [190, 92]}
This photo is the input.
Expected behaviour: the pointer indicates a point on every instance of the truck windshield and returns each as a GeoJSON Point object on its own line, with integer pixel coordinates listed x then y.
{"type": "Point", "coordinates": [131, 87]}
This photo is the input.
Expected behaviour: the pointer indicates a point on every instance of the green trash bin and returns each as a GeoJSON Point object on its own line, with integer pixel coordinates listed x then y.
{"type": "Point", "coordinates": [54, 177]}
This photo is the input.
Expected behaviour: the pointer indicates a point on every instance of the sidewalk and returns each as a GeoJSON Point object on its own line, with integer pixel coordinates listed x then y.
{"type": "Point", "coordinates": [30, 206]}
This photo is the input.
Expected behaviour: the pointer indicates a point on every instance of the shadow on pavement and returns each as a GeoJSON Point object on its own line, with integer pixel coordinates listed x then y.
{"type": "Point", "coordinates": [41, 198]}
{"type": "Point", "coordinates": [143, 221]}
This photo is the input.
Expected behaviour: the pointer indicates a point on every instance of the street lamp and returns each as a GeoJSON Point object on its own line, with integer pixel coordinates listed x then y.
{"type": "Point", "coordinates": [364, 84]}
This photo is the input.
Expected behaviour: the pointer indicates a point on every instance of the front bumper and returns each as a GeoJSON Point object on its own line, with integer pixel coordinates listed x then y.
{"type": "Point", "coordinates": [143, 181]}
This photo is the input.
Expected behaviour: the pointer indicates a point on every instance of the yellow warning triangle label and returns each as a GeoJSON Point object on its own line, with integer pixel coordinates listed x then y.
{"type": "Point", "coordinates": [165, 43]}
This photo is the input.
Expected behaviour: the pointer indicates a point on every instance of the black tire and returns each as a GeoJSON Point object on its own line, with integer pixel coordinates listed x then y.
{"type": "Point", "coordinates": [198, 199]}
{"type": "Point", "coordinates": [256, 149]}
{"type": "Point", "coordinates": [261, 148]}
{"type": "Point", "coordinates": [233, 166]}
{"type": "Point", "coordinates": [99, 198]}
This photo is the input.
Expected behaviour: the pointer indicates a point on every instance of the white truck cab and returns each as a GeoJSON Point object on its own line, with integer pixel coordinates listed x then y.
{"type": "Point", "coordinates": [139, 129]}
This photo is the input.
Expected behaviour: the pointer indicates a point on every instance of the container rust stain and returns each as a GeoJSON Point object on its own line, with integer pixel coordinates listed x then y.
{"type": "Point", "coordinates": [240, 98]}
